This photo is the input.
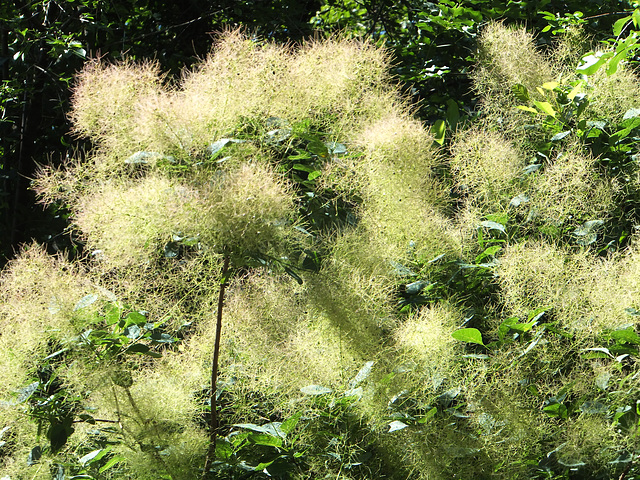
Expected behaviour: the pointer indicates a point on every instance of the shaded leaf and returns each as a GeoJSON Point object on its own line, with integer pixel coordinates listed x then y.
{"type": "Point", "coordinates": [265, 440]}
{"type": "Point", "coordinates": [34, 455]}
{"type": "Point", "coordinates": [520, 92]}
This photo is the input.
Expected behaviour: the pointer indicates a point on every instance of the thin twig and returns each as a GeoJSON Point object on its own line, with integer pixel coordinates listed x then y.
{"type": "Point", "coordinates": [213, 426]}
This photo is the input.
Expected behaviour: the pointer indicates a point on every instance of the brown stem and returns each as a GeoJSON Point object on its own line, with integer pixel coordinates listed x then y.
{"type": "Point", "coordinates": [213, 426]}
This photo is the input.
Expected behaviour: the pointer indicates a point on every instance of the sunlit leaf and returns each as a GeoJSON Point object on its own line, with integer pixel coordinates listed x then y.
{"type": "Point", "coordinates": [602, 380]}
{"type": "Point", "coordinates": [627, 336]}
{"type": "Point", "coordinates": [559, 136]}
{"type": "Point", "coordinates": [89, 456]}
{"type": "Point", "coordinates": [493, 225]}
{"type": "Point", "coordinates": [592, 62]}
{"type": "Point", "coordinates": [397, 425]}
{"type": "Point", "coordinates": [631, 113]}
{"type": "Point", "coordinates": [527, 109]}
{"type": "Point", "coordinates": [336, 148]}
{"type": "Point", "coordinates": [111, 462]}
{"type": "Point", "coordinates": [469, 335]}
{"type": "Point", "coordinates": [431, 413]}
{"type": "Point", "coordinates": [620, 24]}
{"type": "Point", "coordinates": [362, 375]}
{"type": "Point", "coordinates": [438, 130]}
{"type": "Point", "coordinates": [545, 107]}
{"type": "Point", "coordinates": [315, 390]}
{"type": "Point", "coordinates": [519, 200]}
{"type": "Point", "coordinates": [556, 410]}
{"type": "Point", "coordinates": [85, 301]}
{"type": "Point", "coordinates": [290, 423]}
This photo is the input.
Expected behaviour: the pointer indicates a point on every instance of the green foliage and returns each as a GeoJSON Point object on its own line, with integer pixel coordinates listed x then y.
{"type": "Point", "coordinates": [464, 309]}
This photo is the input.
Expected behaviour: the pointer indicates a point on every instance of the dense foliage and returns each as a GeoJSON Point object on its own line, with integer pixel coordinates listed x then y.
{"type": "Point", "coordinates": [403, 301]}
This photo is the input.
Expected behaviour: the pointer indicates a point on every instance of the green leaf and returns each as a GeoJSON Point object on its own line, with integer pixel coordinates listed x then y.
{"type": "Point", "coordinates": [136, 318]}
{"type": "Point", "coordinates": [591, 63]}
{"type": "Point", "coordinates": [545, 107]}
{"type": "Point", "coordinates": [265, 439]}
{"type": "Point", "coordinates": [397, 425]}
{"type": "Point", "coordinates": [535, 315]}
{"type": "Point", "coordinates": [428, 415]}
{"type": "Point", "coordinates": [620, 24]}
{"type": "Point", "coordinates": [112, 314]}
{"type": "Point", "coordinates": [93, 456]}
{"type": "Point", "coordinates": [528, 109]}
{"type": "Point", "coordinates": [303, 168]}
{"type": "Point", "coordinates": [290, 423]}
{"type": "Point", "coordinates": [521, 93]}
{"type": "Point", "coordinates": [490, 251]}
{"type": "Point", "coordinates": [505, 326]}
{"type": "Point", "coordinates": [453, 113]}
{"type": "Point", "coordinates": [559, 136]}
{"type": "Point", "coordinates": [575, 91]}
{"type": "Point", "coordinates": [85, 301]}
{"type": "Point", "coordinates": [469, 335]}
{"type": "Point", "coordinates": [137, 348]}
{"type": "Point", "coordinates": [438, 130]}
{"type": "Point", "coordinates": [493, 225]}
{"type": "Point", "coordinates": [627, 335]}
{"type": "Point", "coordinates": [315, 390]}
{"type": "Point", "coordinates": [313, 175]}
{"type": "Point", "coordinates": [224, 450]}
{"type": "Point", "coordinates": [110, 463]}
{"type": "Point", "coordinates": [556, 410]}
